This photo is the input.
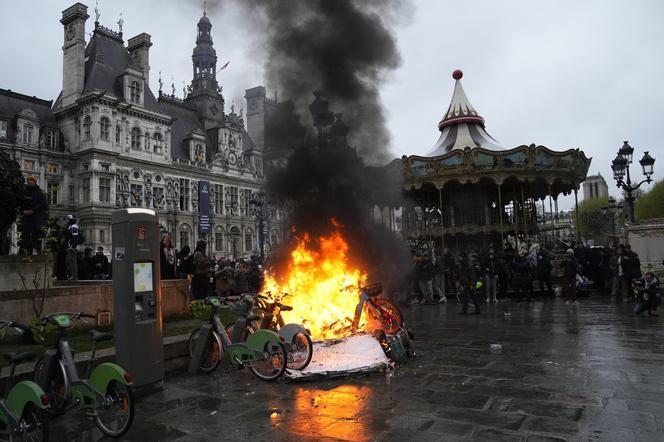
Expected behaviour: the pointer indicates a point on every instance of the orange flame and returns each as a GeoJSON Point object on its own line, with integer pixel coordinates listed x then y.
{"type": "Point", "coordinates": [322, 285]}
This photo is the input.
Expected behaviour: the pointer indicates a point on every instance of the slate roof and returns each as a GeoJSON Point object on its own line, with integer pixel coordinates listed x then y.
{"type": "Point", "coordinates": [185, 121]}
{"type": "Point", "coordinates": [106, 60]}
{"type": "Point", "coordinates": [11, 104]}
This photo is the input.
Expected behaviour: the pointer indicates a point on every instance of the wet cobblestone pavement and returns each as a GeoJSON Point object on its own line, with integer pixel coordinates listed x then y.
{"type": "Point", "coordinates": [592, 372]}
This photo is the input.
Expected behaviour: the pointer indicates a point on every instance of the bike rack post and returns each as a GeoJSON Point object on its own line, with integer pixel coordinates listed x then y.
{"type": "Point", "coordinates": [203, 337]}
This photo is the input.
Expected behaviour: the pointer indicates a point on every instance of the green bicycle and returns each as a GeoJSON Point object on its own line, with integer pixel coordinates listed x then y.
{"type": "Point", "coordinates": [263, 351]}
{"type": "Point", "coordinates": [23, 410]}
{"type": "Point", "coordinates": [104, 395]}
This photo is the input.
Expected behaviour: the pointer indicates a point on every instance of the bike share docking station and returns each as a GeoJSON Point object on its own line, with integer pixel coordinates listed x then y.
{"type": "Point", "coordinates": [137, 316]}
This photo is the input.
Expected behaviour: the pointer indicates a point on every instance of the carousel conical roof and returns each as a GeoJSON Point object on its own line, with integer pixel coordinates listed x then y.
{"type": "Point", "coordinates": [462, 126]}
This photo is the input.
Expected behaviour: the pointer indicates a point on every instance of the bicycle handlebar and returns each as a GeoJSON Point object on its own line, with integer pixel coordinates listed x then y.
{"type": "Point", "coordinates": [72, 315]}
{"type": "Point", "coordinates": [18, 326]}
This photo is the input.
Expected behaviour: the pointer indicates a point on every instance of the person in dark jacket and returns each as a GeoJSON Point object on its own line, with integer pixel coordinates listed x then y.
{"type": "Point", "coordinates": [521, 273]}
{"type": "Point", "coordinates": [570, 268]}
{"type": "Point", "coordinates": [72, 238]}
{"type": "Point", "coordinates": [185, 264]}
{"type": "Point", "coordinates": [544, 269]}
{"type": "Point", "coordinates": [621, 267]}
{"type": "Point", "coordinates": [34, 208]}
{"type": "Point", "coordinates": [468, 279]}
{"type": "Point", "coordinates": [100, 264]}
{"type": "Point", "coordinates": [425, 277]}
{"type": "Point", "coordinates": [87, 268]}
{"type": "Point", "coordinates": [649, 295]}
{"type": "Point", "coordinates": [201, 269]}
{"type": "Point", "coordinates": [491, 276]}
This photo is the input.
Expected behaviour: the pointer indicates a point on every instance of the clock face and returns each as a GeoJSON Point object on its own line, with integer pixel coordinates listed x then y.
{"type": "Point", "coordinates": [214, 109]}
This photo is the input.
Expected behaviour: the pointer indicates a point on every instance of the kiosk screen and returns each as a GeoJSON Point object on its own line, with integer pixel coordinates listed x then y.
{"type": "Point", "coordinates": [143, 277]}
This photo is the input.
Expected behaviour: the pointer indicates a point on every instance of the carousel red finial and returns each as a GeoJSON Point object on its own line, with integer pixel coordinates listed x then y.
{"type": "Point", "coordinates": [457, 74]}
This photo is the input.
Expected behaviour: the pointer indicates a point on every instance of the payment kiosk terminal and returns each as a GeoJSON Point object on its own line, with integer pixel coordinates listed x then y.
{"type": "Point", "coordinates": [137, 294]}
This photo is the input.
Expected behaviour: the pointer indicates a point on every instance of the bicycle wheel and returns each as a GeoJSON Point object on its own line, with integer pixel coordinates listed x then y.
{"type": "Point", "coordinates": [391, 319]}
{"type": "Point", "coordinates": [57, 387]}
{"type": "Point", "coordinates": [274, 365]}
{"type": "Point", "coordinates": [300, 352]}
{"type": "Point", "coordinates": [211, 355]}
{"type": "Point", "coordinates": [34, 422]}
{"type": "Point", "coordinates": [115, 415]}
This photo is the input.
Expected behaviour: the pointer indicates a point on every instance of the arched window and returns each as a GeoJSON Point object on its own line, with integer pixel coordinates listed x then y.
{"type": "Point", "coordinates": [135, 92]}
{"type": "Point", "coordinates": [117, 133]}
{"type": "Point", "coordinates": [184, 235]}
{"type": "Point", "coordinates": [157, 146]}
{"type": "Point", "coordinates": [147, 141]}
{"type": "Point", "coordinates": [135, 138]}
{"type": "Point", "coordinates": [105, 128]}
{"type": "Point", "coordinates": [248, 240]}
{"type": "Point", "coordinates": [87, 123]}
{"type": "Point", "coordinates": [274, 238]}
{"type": "Point", "coordinates": [219, 239]}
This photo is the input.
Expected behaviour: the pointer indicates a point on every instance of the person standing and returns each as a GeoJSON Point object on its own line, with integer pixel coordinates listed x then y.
{"type": "Point", "coordinates": [544, 269]}
{"type": "Point", "coordinates": [467, 285]}
{"type": "Point", "coordinates": [521, 272]}
{"type": "Point", "coordinates": [439, 278]}
{"type": "Point", "coordinates": [167, 255]}
{"type": "Point", "coordinates": [425, 278]}
{"type": "Point", "coordinates": [620, 267]}
{"type": "Point", "coordinates": [33, 210]}
{"type": "Point", "coordinates": [73, 237]}
{"type": "Point", "coordinates": [201, 269]}
{"type": "Point", "coordinates": [100, 265]}
{"type": "Point", "coordinates": [491, 269]}
{"type": "Point", "coordinates": [570, 267]}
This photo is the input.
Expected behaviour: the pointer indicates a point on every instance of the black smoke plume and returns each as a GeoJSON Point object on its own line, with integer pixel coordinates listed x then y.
{"type": "Point", "coordinates": [344, 48]}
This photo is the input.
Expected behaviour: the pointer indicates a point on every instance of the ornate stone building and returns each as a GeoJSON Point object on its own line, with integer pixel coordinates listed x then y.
{"type": "Point", "coordinates": [108, 142]}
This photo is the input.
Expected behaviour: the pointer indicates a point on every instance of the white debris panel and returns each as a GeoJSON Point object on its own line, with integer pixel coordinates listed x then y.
{"type": "Point", "coordinates": [359, 354]}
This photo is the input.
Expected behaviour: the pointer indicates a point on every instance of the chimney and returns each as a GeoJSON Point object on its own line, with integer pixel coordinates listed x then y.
{"type": "Point", "coordinates": [73, 52]}
{"type": "Point", "coordinates": [139, 50]}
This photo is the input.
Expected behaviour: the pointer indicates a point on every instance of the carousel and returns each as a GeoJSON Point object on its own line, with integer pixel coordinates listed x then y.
{"type": "Point", "coordinates": [470, 192]}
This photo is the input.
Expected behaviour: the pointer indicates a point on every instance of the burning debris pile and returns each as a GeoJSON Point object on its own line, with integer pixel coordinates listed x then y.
{"type": "Point", "coordinates": [322, 285]}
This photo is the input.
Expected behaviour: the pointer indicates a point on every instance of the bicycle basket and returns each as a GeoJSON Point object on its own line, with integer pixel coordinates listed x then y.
{"type": "Point", "coordinates": [373, 289]}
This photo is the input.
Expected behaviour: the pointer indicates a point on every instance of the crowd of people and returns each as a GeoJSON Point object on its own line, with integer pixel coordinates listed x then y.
{"type": "Point", "coordinates": [210, 274]}
{"type": "Point", "coordinates": [496, 275]}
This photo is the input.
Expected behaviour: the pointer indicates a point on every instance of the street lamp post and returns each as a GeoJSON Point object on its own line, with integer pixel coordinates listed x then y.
{"type": "Point", "coordinates": [620, 166]}
{"type": "Point", "coordinates": [258, 209]}
{"type": "Point", "coordinates": [612, 209]}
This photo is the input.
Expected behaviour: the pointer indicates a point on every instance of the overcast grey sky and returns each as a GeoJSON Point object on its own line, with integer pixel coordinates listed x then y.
{"type": "Point", "coordinates": [565, 73]}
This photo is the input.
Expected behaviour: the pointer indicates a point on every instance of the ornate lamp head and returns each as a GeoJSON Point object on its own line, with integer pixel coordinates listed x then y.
{"type": "Point", "coordinates": [647, 163]}
{"type": "Point", "coordinates": [626, 151]}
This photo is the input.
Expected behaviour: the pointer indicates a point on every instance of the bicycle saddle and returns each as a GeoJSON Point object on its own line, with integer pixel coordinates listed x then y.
{"type": "Point", "coordinates": [17, 358]}
{"type": "Point", "coordinates": [100, 336]}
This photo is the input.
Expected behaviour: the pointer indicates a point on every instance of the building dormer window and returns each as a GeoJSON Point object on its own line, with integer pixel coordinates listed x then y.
{"type": "Point", "coordinates": [135, 138]}
{"type": "Point", "coordinates": [105, 128]}
{"type": "Point", "coordinates": [50, 139]}
{"type": "Point", "coordinates": [3, 128]}
{"type": "Point", "coordinates": [28, 130]}
{"type": "Point", "coordinates": [157, 146]}
{"type": "Point", "coordinates": [135, 92]}
{"type": "Point", "coordinates": [87, 124]}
